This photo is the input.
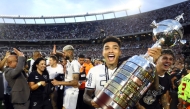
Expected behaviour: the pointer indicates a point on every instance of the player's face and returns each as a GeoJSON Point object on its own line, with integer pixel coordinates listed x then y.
{"type": "Point", "coordinates": [41, 66]}
{"type": "Point", "coordinates": [51, 61]}
{"type": "Point", "coordinates": [165, 62]}
{"type": "Point", "coordinates": [87, 61]}
{"type": "Point", "coordinates": [81, 61]}
{"type": "Point", "coordinates": [64, 62]}
{"type": "Point", "coordinates": [111, 52]}
{"type": "Point", "coordinates": [66, 54]}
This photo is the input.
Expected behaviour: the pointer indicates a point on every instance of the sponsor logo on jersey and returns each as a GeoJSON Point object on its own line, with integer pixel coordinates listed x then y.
{"type": "Point", "coordinates": [36, 77]}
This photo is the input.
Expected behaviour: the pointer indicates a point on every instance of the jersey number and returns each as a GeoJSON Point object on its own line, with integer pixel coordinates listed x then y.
{"type": "Point", "coordinates": [183, 86]}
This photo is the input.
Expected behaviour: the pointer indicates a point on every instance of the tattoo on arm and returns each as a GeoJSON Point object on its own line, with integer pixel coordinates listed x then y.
{"type": "Point", "coordinates": [87, 97]}
{"type": "Point", "coordinates": [165, 100]}
{"type": "Point", "coordinates": [75, 79]}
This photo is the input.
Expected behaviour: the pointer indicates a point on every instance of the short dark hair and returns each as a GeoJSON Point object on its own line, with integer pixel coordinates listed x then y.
{"type": "Point", "coordinates": [54, 57]}
{"type": "Point", "coordinates": [168, 51]}
{"type": "Point", "coordinates": [112, 39]}
{"type": "Point", "coordinates": [81, 56]}
{"type": "Point", "coordinates": [88, 58]}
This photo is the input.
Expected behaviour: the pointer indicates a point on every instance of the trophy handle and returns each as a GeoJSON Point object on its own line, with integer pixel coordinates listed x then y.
{"type": "Point", "coordinates": [157, 44]}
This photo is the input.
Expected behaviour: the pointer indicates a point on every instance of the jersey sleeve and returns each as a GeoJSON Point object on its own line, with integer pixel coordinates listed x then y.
{"type": "Point", "coordinates": [76, 67]}
{"type": "Point", "coordinates": [60, 69]}
{"type": "Point", "coordinates": [91, 79]}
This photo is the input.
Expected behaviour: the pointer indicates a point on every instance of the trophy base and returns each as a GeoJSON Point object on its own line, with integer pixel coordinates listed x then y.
{"type": "Point", "coordinates": [105, 102]}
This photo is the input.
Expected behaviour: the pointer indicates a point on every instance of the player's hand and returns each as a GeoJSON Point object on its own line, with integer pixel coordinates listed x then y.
{"type": "Point", "coordinates": [154, 52]}
{"type": "Point", "coordinates": [7, 54]}
{"type": "Point", "coordinates": [43, 83]}
{"type": "Point", "coordinates": [180, 106]}
{"type": "Point", "coordinates": [94, 104]}
{"type": "Point", "coordinates": [55, 82]}
{"type": "Point", "coordinates": [138, 106]}
{"type": "Point", "coordinates": [54, 49]}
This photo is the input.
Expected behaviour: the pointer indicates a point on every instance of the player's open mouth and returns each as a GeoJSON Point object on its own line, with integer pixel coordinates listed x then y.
{"type": "Point", "coordinates": [166, 65]}
{"type": "Point", "coordinates": [111, 57]}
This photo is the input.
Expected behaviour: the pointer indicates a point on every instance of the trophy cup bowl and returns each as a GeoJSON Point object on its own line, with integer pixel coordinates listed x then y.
{"type": "Point", "coordinates": [135, 75]}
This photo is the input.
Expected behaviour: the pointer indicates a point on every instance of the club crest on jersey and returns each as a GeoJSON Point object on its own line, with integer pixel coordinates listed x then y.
{"type": "Point", "coordinates": [149, 99]}
{"type": "Point", "coordinates": [45, 76]}
{"type": "Point", "coordinates": [34, 103]}
{"type": "Point", "coordinates": [102, 75]}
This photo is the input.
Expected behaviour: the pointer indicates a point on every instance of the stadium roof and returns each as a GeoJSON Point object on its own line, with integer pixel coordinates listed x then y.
{"type": "Point", "coordinates": [60, 19]}
{"type": "Point", "coordinates": [18, 19]}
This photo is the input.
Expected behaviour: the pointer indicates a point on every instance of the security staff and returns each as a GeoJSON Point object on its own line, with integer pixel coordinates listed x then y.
{"type": "Point", "coordinates": [40, 96]}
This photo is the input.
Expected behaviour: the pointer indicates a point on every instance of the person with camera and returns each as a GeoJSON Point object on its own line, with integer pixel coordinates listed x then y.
{"type": "Point", "coordinates": [40, 86]}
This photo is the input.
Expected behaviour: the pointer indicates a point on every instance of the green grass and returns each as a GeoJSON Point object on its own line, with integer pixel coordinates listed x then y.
{"type": "Point", "coordinates": [1, 107]}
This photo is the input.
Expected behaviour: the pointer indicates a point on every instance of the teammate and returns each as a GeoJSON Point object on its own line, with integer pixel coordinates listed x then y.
{"type": "Point", "coordinates": [159, 98]}
{"type": "Point", "coordinates": [71, 79]}
{"type": "Point", "coordinates": [54, 70]}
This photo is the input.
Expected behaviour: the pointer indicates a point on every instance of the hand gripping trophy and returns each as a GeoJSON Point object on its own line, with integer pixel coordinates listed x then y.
{"type": "Point", "coordinates": [132, 79]}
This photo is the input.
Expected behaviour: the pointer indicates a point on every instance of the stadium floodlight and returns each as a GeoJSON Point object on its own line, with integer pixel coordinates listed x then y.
{"type": "Point", "coordinates": [132, 4]}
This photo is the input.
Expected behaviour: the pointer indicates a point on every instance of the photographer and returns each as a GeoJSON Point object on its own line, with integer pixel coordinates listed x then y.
{"type": "Point", "coordinates": [40, 86]}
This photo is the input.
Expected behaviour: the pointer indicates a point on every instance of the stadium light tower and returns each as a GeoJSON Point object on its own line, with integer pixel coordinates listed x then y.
{"type": "Point", "coordinates": [140, 9]}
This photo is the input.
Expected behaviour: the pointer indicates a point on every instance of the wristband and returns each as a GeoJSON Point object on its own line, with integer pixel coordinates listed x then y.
{"type": "Point", "coordinates": [39, 83]}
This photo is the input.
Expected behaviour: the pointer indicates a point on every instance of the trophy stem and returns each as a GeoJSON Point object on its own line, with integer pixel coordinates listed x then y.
{"type": "Point", "coordinates": [157, 44]}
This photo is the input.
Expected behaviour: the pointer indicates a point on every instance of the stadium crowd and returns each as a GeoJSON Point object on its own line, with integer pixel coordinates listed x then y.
{"type": "Point", "coordinates": [119, 26]}
{"type": "Point", "coordinates": [129, 48]}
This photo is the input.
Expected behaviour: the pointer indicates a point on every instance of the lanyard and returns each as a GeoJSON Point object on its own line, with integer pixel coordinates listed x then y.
{"type": "Point", "coordinates": [107, 74]}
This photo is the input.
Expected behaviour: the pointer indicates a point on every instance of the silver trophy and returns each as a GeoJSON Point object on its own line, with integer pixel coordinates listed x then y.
{"type": "Point", "coordinates": [133, 78]}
